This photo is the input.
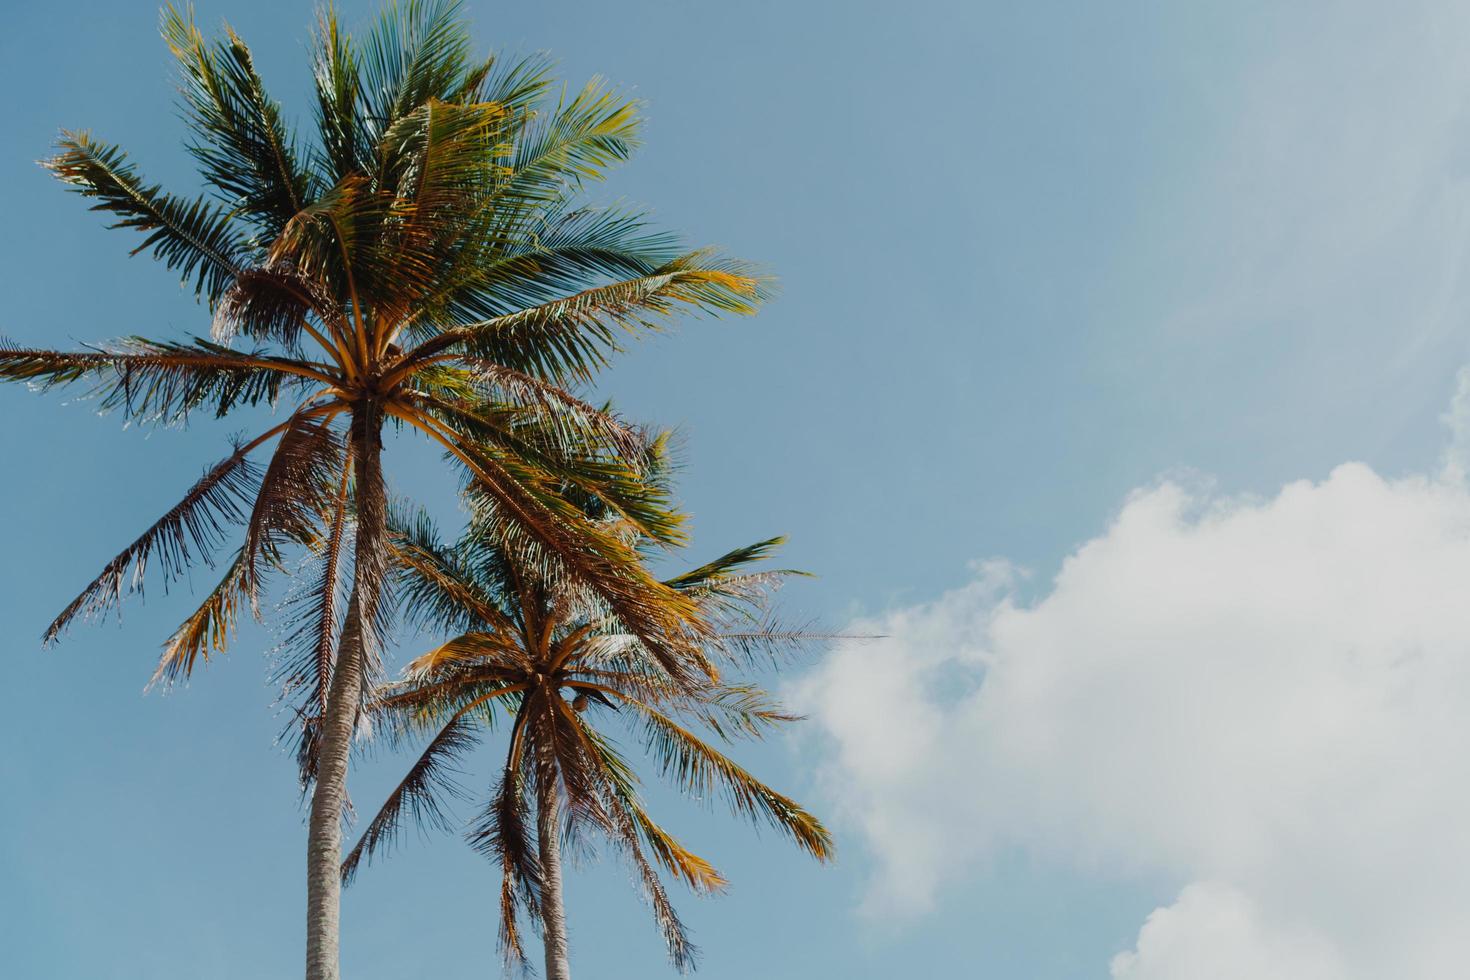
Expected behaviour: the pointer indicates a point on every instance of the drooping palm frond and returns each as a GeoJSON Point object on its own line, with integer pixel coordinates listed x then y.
{"type": "Point", "coordinates": [417, 796]}
{"type": "Point", "coordinates": [304, 476]}
{"type": "Point", "coordinates": [503, 835]}
{"type": "Point", "coordinates": [622, 784]}
{"type": "Point", "coordinates": [736, 711]}
{"type": "Point", "coordinates": [314, 612]}
{"type": "Point", "coordinates": [208, 629]}
{"type": "Point", "coordinates": [194, 527]}
{"type": "Point", "coordinates": [622, 827]}
{"type": "Point", "coordinates": [571, 422]}
{"type": "Point", "coordinates": [573, 460]}
{"type": "Point", "coordinates": [272, 302]}
{"type": "Point", "coordinates": [703, 771]}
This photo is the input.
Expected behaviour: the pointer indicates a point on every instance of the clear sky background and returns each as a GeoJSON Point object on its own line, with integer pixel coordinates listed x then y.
{"type": "Point", "coordinates": [1059, 279]}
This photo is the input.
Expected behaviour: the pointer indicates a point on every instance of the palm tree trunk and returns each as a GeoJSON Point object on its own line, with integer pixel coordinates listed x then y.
{"type": "Point", "coordinates": [344, 695]}
{"type": "Point", "coordinates": [553, 913]}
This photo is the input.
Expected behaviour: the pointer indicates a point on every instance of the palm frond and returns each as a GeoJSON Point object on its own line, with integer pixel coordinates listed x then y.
{"type": "Point", "coordinates": [516, 83]}
{"type": "Point", "coordinates": [622, 827]}
{"type": "Point", "coordinates": [502, 835]}
{"type": "Point", "coordinates": [418, 796]}
{"type": "Point", "coordinates": [559, 254]}
{"type": "Point", "coordinates": [297, 489]}
{"type": "Point", "coordinates": [189, 531]}
{"type": "Point", "coordinates": [570, 421]}
{"type": "Point", "coordinates": [208, 629]}
{"type": "Point", "coordinates": [771, 642]}
{"type": "Point", "coordinates": [570, 339]}
{"type": "Point", "coordinates": [728, 563]}
{"type": "Point", "coordinates": [161, 381]}
{"type": "Point", "coordinates": [418, 50]}
{"type": "Point", "coordinates": [678, 860]}
{"type": "Point", "coordinates": [439, 591]}
{"type": "Point", "coordinates": [243, 149]}
{"type": "Point", "coordinates": [335, 74]}
{"type": "Point", "coordinates": [196, 238]}
{"type": "Point", "coordinates": [576, 142]}
{"type": "Point", "coordinates": [314, 612]}
{"type": "Point", "coordinates": [703, 771]}
{"type": "Point", "coordinates": [270, 303]}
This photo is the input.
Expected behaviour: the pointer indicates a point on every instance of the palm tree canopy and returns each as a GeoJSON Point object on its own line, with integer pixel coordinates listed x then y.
{"type": "Point", "coordinates": [422, 257]}
{"type": "Point", "coordinates": [558, 665]}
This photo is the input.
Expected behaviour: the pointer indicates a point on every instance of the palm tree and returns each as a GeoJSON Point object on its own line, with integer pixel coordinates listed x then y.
{"type": "Point", "coordinates": [423, 261]}
{"type": "Point", "coordinates": [561, 663]}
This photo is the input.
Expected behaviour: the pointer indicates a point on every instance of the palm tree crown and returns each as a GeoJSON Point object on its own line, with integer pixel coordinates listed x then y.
{"type": "Point", "coordinates": [560, 665]}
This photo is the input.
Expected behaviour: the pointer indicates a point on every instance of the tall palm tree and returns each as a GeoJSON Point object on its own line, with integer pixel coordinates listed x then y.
{"type": "Point", "coordinates": [561, 665]}
{"type": "Point", "coordinates": [421, 260]}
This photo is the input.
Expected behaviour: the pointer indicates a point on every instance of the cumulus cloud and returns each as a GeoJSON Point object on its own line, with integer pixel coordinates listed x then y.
{"type": "Point", "coordinates": [1266, 701]}
{"type": "Point", "coordinates": [1215, 932]}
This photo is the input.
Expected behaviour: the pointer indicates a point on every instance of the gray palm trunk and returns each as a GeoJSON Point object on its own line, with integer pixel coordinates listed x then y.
{"type": "Point", "coordinates": [329, 797]}
{"type": "Point", "coordinates": [553, 913]}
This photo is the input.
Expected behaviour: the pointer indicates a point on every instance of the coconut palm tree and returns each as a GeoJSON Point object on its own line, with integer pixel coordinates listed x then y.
{"type": "Point", "coordinates": [423, 260]}
{"type": "Point", "coordinates": [563, 668]}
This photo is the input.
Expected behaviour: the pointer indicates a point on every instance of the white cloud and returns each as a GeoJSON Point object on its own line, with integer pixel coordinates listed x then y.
{"type": "Point", "coordinates": [1215, 933]}
{"type": "Point", "coordinates": [1266, 701]}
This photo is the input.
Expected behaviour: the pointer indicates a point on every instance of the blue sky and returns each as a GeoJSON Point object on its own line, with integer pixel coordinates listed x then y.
{"type": "Point", "coordinates": [1059, 279]}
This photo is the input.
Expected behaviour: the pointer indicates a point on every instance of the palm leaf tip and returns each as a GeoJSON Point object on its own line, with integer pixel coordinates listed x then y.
{"type": "Point", "coordinates": [197, 238]}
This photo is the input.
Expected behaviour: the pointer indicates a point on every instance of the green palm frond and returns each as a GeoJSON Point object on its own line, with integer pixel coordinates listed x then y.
{"type": "Point", "coordinates": [570, 339]}
{"type": "Point", "coordinates": [241, 143]}
{"type": "Point", "coordinates": [515, 82]}
{"type": "Point", "coordinates": [440, 592]}
{"type": "Point", "coordinates": [338, 84]}
{"type": "Point", "coordinates": [196, 238]}
{"type": "Point", "coordinates": [576, 142]}
{"type": "Point", "coordinates": [418, 50]}
{"type": "Point", "coordinates": [725, 565]}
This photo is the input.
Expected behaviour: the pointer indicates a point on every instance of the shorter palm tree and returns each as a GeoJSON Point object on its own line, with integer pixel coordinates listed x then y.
{"type": "Point", "coordinates": [561, 665]}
